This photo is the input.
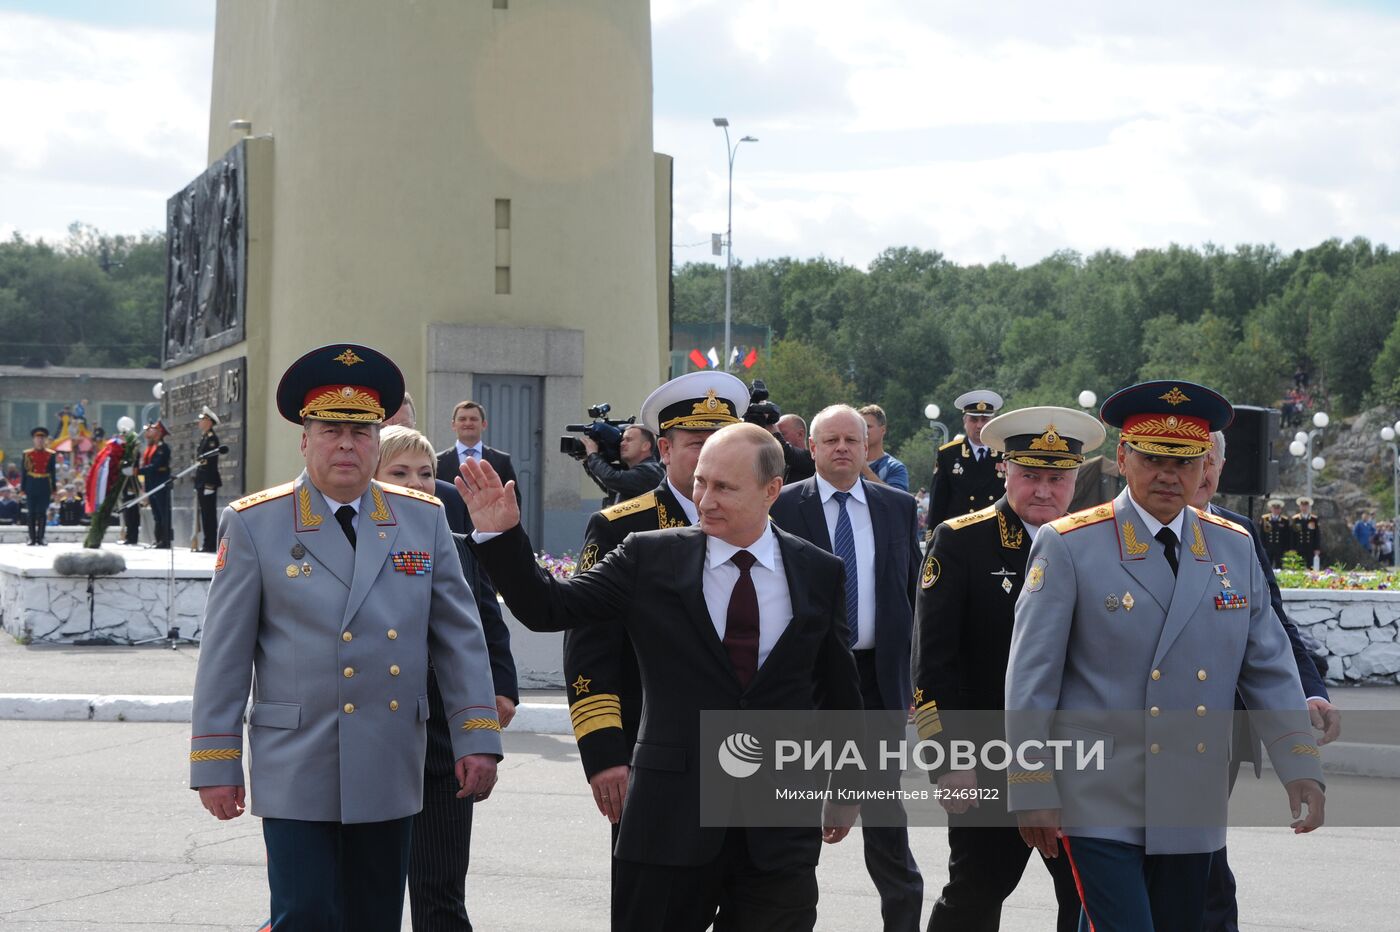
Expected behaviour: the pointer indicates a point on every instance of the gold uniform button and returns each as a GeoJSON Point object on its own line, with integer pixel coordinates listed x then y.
{"type": "Point", "coordinates": [349, 707]}
{"type": "Point", "coordinates": [394, 670]}
{"type": "Point", "coordinates": [1156, 747]}
{"type": "Point", "coordinates": [1201, 711]}
{"type": "Point", "coordinates": [1201, 675]}
{"type": "Point", "coordinates": [1201, 748]}
{"type": "Point", "coordinates": [1155, 711]}
{"type": "Point", "coordinates": [392, 634]}
{"type": "Point", "coordinates": [349, 672]}
{"type": "Point", "coordinates": [347, 637]}
{"type": "Point", "coordinates": [1156, 674]}
{"type": "Point", "coordinates": [393, 705]}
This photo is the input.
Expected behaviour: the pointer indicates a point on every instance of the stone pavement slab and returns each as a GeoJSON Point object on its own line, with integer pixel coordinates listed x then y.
{"type": "Point", "coordinates": [98, 833]}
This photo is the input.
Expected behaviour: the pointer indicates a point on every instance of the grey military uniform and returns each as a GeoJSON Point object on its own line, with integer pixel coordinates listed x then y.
{"type": "Point", "coordinates": [1103, 628]}
{"type": "Point", "coordinates": [336, 641]}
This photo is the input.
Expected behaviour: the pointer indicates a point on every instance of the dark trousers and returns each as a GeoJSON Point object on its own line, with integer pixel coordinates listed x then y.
{"type": "Point", "coordinates": [985, 864]}
{"type": "Point", "coordinates": [160, 514]}
{"type": "Point", "coordinates": [1125, 889]}
{"type": "Point", "coordinates": [131, 520]}
{"type": "Point", "coordinates": [1222, 912]}
{"type": "Point", "coordinates": [207, 502]}
{"type": "Point", "coordinates": [442, 834]}
{"type": "Point", "coordinates": [888, 859]}
{"type": "Point", "coordinates": [648, 897]}
{"type": "Point", "coordinates": [333, 877]}
{"type": "Point", "coordinates": [38, 504]}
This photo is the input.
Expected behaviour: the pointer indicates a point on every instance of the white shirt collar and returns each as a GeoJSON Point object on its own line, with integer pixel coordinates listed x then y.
{"type": "Point", "coordinates": [1153, 525]}
{"type": "Point", "coordinates": [826, 490]}
{"type": "Point", "coordinates": [692, 514]}
{"type": "Point", "coordinates": [1031, 530]}
{"type": "Point", "coordinates": [463, 448]}
{"type": "Point", "coordinates": [718, 552]}
{"type": "Point", "coordinates": [335, 506]}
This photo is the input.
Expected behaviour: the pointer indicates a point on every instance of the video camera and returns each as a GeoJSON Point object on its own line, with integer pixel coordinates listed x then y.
{"type": "Point", "coordinates": [603, 431]}
{"type": "Point", "coordinates": [761, 411]}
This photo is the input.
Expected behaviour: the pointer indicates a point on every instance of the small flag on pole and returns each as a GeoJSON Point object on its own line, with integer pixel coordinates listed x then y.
{"type": "Point", "coordinates": [714, 357]}
{"type": "Point", "coordinates": [698, 358]}
{"type": "Point", "coordinates": [751, 358]}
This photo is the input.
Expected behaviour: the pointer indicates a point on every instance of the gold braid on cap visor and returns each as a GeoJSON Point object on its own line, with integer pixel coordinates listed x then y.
{"type": "Point", "coordinates": [709, 413]}
{"type": "Point", "coordinates": [1168, 436]}
{"type": "Point", "coordinates": [344, 404]}
{"type": "Point", "coordinates": [1042, 461]}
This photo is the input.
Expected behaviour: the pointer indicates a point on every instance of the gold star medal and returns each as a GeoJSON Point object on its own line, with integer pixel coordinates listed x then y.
{"type": "Point", "coordinates": [1128, 602]}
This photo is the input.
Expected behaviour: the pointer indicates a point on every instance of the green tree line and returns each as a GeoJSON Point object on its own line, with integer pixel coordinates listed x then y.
{"type": "Point", "coordinates": [94, 300]}
{"type": "Point", "coordinates": [915, 327]}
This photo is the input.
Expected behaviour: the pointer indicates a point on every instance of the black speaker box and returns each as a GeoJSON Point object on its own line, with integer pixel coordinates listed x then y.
{"type": "Point", "coordinates": [1250, 465]}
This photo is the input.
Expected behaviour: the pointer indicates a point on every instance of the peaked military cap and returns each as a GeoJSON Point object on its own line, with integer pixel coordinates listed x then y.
{"type": "Point", "coordinates": [39, 431]}
{"type": "Point", "coordinates": [1275, 503]}
{"type": "Point", "coordinates": [1044, 437]}
{"type": "Point", "coordinates": [1303, 500]}
{"type": "Point", "coordinates": [341, 382]}
{"type": "Point", "coordinates": [1167, 417]}
{"type": "Point", "coordinates": [160, 424]}
{"type": "Point", "coordinates": [982, 401]}
{"type": "Point", "coordinates": [706, 400]}
{"type": "Point", "coordinates": [208, 412]}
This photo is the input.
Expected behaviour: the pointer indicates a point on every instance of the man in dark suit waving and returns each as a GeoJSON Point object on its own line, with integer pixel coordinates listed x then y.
{"type": "Point", "coordinates": [873, 528]}
{"type": "Point", "coordinates": [734, 614]}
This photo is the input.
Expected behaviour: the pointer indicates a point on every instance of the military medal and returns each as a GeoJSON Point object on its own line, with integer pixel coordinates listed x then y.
{"type": "Point", "coordinates": [412, 562]}
{"type": "Point", "coordinates": [306, 569]}
{"type": "Point", "coordinates": [1005, 575]}
{"type": "Point", "coordinates": [1128, 602]}
{"type": "Point", "coordinates": [292, 571]}
{"type": "Point", "coordinates": [957, 469]}
{"type": "Point", "coordinates": [1228, 598]}
{"type": "Point", "coordinates": [1111, 603]}
{"type": "Point", "coordinates": [298, 551]}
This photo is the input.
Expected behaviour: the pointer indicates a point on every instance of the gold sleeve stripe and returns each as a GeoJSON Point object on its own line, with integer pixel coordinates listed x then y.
{"type": "Point", "coordinates": [926, 720]}
{"type": "Point", "coordinates": [595, 703]}
{"type": "Point", "coordinates": [1307, 749]}
{"type": "Point", "coordinates": [481, 724]}
{"type": "Point", "coordinates": [591, 723]}
{"type": "Point", "coordinates": [198, 757]}
{"type": "Point", "coordinates": [1029, 776]}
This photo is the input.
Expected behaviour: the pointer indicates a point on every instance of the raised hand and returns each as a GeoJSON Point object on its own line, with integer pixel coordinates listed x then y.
{"type": "Point", "coordinates": [492, 506]}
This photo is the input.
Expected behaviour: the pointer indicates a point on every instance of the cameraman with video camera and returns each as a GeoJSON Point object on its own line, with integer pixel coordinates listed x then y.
{"type": "Point", "coordinates": [798, 462]}
{"type": "Point", "coordinates": [641, 471]}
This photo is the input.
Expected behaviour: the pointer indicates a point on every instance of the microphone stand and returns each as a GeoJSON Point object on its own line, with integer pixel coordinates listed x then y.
{"type": "Point", "coordinates": [172, 634]}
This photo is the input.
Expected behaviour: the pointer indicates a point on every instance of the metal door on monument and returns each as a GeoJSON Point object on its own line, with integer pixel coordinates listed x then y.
{"type": "Point", "coordinates": [514, 412]}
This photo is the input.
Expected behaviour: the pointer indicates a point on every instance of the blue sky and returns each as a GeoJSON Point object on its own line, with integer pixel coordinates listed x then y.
{"type": "Point", "coordinates": [980, 130]}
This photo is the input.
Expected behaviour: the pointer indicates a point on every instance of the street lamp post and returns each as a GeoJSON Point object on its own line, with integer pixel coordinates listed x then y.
{"type": "Point", "coordinates": [730, 151]}
{"type": "Point", "coordinates": [1302, 446]}
{"type": "Point", "coordinates": [940, 431]}
{"type": "Point", "coordinates": [1388, 434]}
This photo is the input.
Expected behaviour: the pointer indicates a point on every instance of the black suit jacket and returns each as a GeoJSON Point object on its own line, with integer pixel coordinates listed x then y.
{"type": "Point", "coordinates": [961, 483]}
{"type": "Point", "coordinates": [601, 677]}
{"type": "Point", "coordinates": [652, 583]}
{"type": "Point", "coordinates": [449, 466]}
{"type": "Point", "coordinates": [894, 525]}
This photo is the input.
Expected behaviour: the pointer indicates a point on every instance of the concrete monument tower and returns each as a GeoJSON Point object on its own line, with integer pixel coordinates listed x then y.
{"type": "Point", "coordinates": [468, 185]}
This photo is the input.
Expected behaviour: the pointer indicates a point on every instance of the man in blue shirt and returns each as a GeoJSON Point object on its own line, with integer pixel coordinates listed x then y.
{"type": "Point", "coordinates": [883, 467]}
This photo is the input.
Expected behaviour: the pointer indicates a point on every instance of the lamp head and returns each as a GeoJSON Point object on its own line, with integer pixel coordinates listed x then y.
{"type": "Point", "coordinates": [721, 121]}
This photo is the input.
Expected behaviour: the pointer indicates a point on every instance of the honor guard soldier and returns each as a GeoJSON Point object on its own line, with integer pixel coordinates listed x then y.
{"type": "Point", "coordinates": [600, 666]}
{"type": "Point", "coordinates": [328, 593]}
{"type": "Point", "coordinates": [972, 573]}
{"type": "Point", "coordinates": [1305, 535]}
{"type": "Point", "coordinates": [1147, 605]}
{"type": "Point", "coordinates": [155, 472]}
{"type": "Point", "coordinates": [1276, 532]}
{"type": "Point", "coordinates": [967, 476]}
{"type": "Point", "coordinates": [206, 476]}
{"type": "Point", "coordinates": [38, 478]}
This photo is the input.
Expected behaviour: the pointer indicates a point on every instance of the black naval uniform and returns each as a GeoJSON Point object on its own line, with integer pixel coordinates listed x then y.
{"type": "Point", "coordinates": [1305, 537]}
{"type": "Point", "coordinates": [962, 483]}
{"type": "Point", "coordinates": [38, 477]}
{"type": "Point", "coordinates": [600, 667]}
{"type": "Point", "coordinates": [206, 489]}
{"type": "Point", "coordinates": [965, 613]}
{"type": "Point", "coordinates": [155, 469]}
{"type": "Point", "coordinates": [1277, 535]}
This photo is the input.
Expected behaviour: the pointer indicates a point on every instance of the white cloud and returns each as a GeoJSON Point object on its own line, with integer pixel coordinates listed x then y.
{"type": "Point", "coordinates": [102, 124]}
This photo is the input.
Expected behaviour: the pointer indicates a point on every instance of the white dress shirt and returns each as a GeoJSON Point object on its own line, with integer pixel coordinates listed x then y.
{"type": "Point", "coordinates": [462, 450]}
{"type": "Point", "coordinates": [1153, 525]}
{"type": "Point", "coordinates": [335, 506]}
{"type": "Point", "coordinates": [858, 510]}
{"type": "Point", "coordinates": [978, 450]}
{"type": "Point", "coordinates": [692, 514]}
{"type": "Point", "coordinates": [769, 583]}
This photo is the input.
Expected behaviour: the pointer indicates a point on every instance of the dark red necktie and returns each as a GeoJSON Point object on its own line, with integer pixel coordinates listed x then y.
{"type": "Point", "coordinates": [741, 622]}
